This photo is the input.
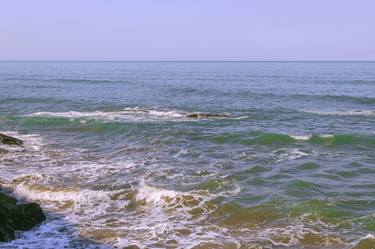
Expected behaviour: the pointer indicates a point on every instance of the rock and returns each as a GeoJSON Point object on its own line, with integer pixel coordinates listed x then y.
{"type": "Point", "coordinates": [5, 139]}
{"type": "Point", "coordinates": [17, 217]}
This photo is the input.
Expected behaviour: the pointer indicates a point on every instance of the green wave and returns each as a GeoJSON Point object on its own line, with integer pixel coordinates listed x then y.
{"type": "Point", "coordinates": [69, 124]}
{"type": "Point", "coordinates": [48, 121]}
{"type": "Point", "coordinates": [320, 210]}
{"type": "Point", "coordinates": [270, 139]}
{"type": "Point", "coordinates": [233, 214]}
{"type": "Point", "coordinates": [250, 138]}
{"type": "Point", "coordinates": [337, 140]}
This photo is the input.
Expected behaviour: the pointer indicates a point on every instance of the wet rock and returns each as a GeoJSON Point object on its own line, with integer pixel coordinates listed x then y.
{"type": "Point", "coordinates": [5, 139]}
{"type": "Point", "coordinates": [17, 217]}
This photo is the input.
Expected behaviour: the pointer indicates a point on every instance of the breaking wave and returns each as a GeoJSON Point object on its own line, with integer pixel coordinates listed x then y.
{"type": "Point", "coordinates": [137, 114]}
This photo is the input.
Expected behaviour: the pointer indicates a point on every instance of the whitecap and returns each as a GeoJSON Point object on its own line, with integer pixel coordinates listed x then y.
{"type": "Point", "coordinates": [137, 114]}
{"type": "Point", "coordinates": [301, 137]}
{"type": "Point", "coordinates": [154, 195]}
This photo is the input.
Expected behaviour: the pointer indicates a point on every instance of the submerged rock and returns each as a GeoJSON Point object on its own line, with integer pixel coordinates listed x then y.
{"type": "Point", "coordinates": [5, 139]}
{"type": "Point", "coordinates": [17, 217]}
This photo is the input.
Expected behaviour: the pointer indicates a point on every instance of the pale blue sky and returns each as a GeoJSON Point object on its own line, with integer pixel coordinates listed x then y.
{"type": "Point", "coordinates": [187, 30]}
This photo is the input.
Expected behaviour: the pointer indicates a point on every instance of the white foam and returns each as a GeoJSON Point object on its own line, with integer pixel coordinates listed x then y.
{"type": "Point", "coordinates": [301, 137]}
{"type": "Point", "coordinates": [294, 233]}
{"type": "Point", "coordinates": [82, 200]}
{"type": "Point", "coordinates": [308, 137]}
{"type": "Point", "coordinates": [154, 195]}
{"type": "Point", "coordinates": [55, 194]}
{"type": "Point", "coordinates": [326, 136]}
{"type": "Point", "coordinates": [132, 114]}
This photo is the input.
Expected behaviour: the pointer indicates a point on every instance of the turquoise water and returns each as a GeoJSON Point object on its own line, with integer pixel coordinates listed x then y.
{"type": "Point", "coordinates": [192, 154]}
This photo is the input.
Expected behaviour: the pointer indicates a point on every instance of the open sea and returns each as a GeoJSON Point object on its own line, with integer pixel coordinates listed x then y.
{"type": "Point", "coordinates": [192, 154]}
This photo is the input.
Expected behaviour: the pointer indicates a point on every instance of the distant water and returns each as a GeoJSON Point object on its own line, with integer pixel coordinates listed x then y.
{"type": "Point", "coordinates": [192, 154]}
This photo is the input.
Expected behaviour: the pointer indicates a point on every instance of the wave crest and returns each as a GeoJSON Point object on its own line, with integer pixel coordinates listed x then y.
{"type": "Point", "coordinates": [137, 114]}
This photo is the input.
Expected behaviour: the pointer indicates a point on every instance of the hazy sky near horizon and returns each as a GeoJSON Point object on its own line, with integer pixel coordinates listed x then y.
{"type": "Point", "coordinates": [187, 30]}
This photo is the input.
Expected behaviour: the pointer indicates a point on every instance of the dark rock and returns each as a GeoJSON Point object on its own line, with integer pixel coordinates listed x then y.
{"type": "Point", "coordinates": [17, 217]}
{"type": "Point", "coordinates": [5, 139]}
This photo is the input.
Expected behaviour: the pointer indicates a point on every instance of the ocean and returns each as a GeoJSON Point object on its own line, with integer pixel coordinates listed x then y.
{"type": "Point", "coordinates": [192, 154]}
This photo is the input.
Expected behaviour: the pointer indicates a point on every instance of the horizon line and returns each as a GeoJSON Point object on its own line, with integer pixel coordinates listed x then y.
{"type": "Point", "coordinates": [125, 60]}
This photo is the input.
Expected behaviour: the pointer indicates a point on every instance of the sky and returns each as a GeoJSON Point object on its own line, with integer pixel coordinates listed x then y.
{"type": "Point", "coordinates": [187, 30]}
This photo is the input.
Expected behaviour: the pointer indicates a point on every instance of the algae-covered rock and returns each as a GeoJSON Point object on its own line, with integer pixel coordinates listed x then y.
{"type": "Point", "coordinates": [5, 139]}
{"type": "Point", "coordinates": [21, 217]}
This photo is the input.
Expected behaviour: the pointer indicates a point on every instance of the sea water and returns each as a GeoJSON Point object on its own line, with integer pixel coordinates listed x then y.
{"type": "Point", "coordinates": [192, 154]}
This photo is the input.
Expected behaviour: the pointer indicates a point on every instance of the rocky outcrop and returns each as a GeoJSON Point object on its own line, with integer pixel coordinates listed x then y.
{"type": "Point", "coordinates": [17, 217]}
{"type": "Point", "coordinates": [5, 139]}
